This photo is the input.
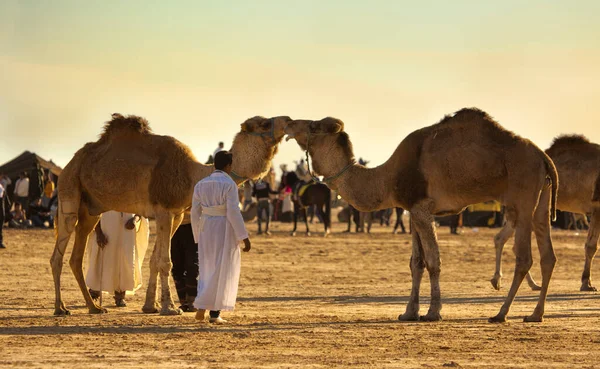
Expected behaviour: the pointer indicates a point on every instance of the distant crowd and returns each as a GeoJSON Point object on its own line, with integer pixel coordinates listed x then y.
{"type": "Point", "coordinates": [21, 210]}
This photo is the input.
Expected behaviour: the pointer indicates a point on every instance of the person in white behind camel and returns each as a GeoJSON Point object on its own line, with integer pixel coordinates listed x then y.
{"type": "Point", "coordinates": [116, 255]}
{"type": "Point", "coordinates": [218, 229]}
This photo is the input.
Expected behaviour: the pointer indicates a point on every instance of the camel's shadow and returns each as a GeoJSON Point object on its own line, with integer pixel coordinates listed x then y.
{"type": "Point", "coordinates": [348, 299]}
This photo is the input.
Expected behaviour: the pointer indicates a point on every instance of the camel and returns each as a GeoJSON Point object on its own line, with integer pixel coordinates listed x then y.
{"type": "Point", "coordinates": [464, 159]}
{"type": "Point", "coordinates": [577, 161]}
{"type": "Point", "coordinates": [130, 169]}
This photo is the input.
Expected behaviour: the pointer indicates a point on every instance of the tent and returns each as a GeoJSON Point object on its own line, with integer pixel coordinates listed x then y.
{"type": "Point", "coordinates": [35, 167]}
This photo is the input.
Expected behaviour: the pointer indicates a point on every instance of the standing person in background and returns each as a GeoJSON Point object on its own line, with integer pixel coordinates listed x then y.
{"type": "Point", "coordinates": [454, 221]}
{"type": "Point", "coordinates": [184, 256]}
{"type": "Point", "coordinates": [219, 148]}
{"type": "Point", "coordinates": [2, 194]}
{"type": "Point", "coordinates": [261, 191]}
{"type": "Point", "coordinates": [116, 255]}
{"type": "Point", "coordinates": [5, 181]}
{"type": "Point", "coordinates": [218, 229]}
{"type": "Point", "coordinates": [48, 190]}
{"type": "Point", "coordinates": [399, 222]}
{"type": "Point", "coordinates": [22, 190]}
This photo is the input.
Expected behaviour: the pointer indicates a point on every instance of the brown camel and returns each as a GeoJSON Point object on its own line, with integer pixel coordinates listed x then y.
{"type": "Point", "coordinates": [577, 161]}
{"type": "Point", "coordinates": [466, 158]}
{"type": "Point", "coordinates": [130, 169]}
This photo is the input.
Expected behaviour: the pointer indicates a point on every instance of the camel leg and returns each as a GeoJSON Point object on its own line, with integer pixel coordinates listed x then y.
{"type": "Point", "coordinates": [541, 227]}
{"type": "Point", "coordinates": [150, 305]}
{"type": "Point", "coordinates": [524, 261]}
{"type": "Point", "coordinates": [417, 267]}
{"type": "Point", "coordinates": [499, 241]}
{"type": "Point", "coordinates": [165, 226]}
{"type": "Point", "coordinates": [85, 225]}
{"type": "Point", "coordinates": [591, 246]}
{"type": "Point", "coordinates": [424, 224]}
{"type": "Point", "coordinates": [65, 224]}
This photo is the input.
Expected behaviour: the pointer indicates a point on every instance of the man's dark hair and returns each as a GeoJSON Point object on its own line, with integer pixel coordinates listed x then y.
{"type": "Point", "coordinates": [223, 159]}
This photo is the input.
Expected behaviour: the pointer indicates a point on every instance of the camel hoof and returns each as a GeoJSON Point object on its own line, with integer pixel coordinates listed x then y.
{"type": "Point", "coordinates": [171, 311]}
{"type": "Point", "coordinates": [495, 283]}
{"type": "Point", "coordinates": [150, 309]}
{"type": "Point", "coordinates": [535, 287]}
{"type": "Point", "coordinates": [587, 287]}
{"type": "Point", "coordinates": [409, 317]}
{"type": "Point", "coordinates": [98, 310]}
{"type": "Point", "coordinates": [431, 317]}
{"type": "Point", "coordinates": [293, 234]}
{"type": "Point", "coordinates": [497, 319]}
{"type": "Point", "coordinates": [61, 312]}
{"type": "Point", "coordinates": [307, 234]}
{"type": "Point", "coordinates": [533, 319]}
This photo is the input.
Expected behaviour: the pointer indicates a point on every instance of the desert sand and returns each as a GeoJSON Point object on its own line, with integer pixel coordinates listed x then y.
{"type": "Point", "coordinates": [311, 302]}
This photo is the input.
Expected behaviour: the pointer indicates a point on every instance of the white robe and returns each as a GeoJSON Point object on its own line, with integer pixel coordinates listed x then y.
{"type": "Point", "coordinates": [218, 238]}
{"type": "Point", "coordinates": [117, 267]}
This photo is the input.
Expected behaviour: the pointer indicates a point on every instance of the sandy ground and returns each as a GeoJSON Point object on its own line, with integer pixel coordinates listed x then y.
{"type": "Point", "coordinates": [310, 302]}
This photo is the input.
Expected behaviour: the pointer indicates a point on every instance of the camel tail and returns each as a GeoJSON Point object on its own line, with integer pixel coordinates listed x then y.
{"type": "Point", "coordinates": [551, 171]}
{"type": "Point", "coordinates": [596, 195]}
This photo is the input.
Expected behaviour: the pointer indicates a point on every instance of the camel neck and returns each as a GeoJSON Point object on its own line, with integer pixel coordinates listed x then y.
{"type": "Point", "coordinates": [366, 189]}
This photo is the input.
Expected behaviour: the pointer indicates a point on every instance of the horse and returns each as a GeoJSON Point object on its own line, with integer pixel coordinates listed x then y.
{"type": "Point", "coordinates": [309, 194]}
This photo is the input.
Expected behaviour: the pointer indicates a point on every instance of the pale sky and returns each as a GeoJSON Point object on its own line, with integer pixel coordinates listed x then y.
{"type": "Point", "coordinates": [197, 69]}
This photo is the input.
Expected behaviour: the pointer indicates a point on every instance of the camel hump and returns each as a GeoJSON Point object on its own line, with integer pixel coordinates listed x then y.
{"type": "Point", "coordinates": [569, 140]}
{"type": "Point", "coordinates": [468, 114]}
{"type": "Point", "coordinates": [130, 123]}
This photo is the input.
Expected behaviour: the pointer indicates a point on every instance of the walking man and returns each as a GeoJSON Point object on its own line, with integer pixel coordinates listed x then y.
{"type": "Point", "coordinates": [218, 229]}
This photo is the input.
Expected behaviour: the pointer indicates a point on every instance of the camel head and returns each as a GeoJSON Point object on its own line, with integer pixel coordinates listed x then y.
{"type": "Point", "coordinates": [255, 146]}
{"type": "Point", "coordinates": [311, 132]}
{"type": "Point", "coordinates": [270, 129]}
{"type": "Point", "coordinates": [325, 140]}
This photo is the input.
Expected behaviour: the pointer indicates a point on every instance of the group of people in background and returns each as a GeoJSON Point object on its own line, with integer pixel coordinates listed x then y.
{"type": "Point", "coordinates": [21, 210]}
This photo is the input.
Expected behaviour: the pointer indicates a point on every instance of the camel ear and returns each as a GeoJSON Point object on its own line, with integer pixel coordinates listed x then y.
{"type": "Point", "coordinates": [250, 124]}
{"type": "Point", "coordinates": [330, 125]}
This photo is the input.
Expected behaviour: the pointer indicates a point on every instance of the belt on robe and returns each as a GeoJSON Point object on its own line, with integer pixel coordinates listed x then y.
{"type": "Point", "coordinates": [211, 211]}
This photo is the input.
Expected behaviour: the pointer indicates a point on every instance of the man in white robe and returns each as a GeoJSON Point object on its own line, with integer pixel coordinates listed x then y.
{"type": "Point", "coordinates": [218, 229]}
{"type": "Point", "coordinates": [116, 255]}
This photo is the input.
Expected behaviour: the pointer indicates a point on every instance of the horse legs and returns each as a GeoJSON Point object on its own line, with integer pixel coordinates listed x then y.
{"type": "Point", "coordinates": [306, 220]}
{"type": "Point", "coordinates": [591, 246]}
{"type": "Point", "coordinates": [417, 267]}
{"type": "Point", "coordinates": [296, 210]}
{"type": "Point", "coordinates": [541, 227]}
{"type": "Point", "coordinates": [85, 226]}
{"type": "Point", "coordinates": [65, 224]}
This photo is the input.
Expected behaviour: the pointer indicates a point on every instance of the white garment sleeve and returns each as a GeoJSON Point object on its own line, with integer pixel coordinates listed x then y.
{"type": "Point", "coordinates": [234, 215]}
{"type": "Point", "coordinates": [195, 215]}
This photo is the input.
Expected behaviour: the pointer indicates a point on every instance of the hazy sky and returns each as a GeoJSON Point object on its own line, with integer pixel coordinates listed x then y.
{"type": "Point", "coordinates": [197, 69]}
